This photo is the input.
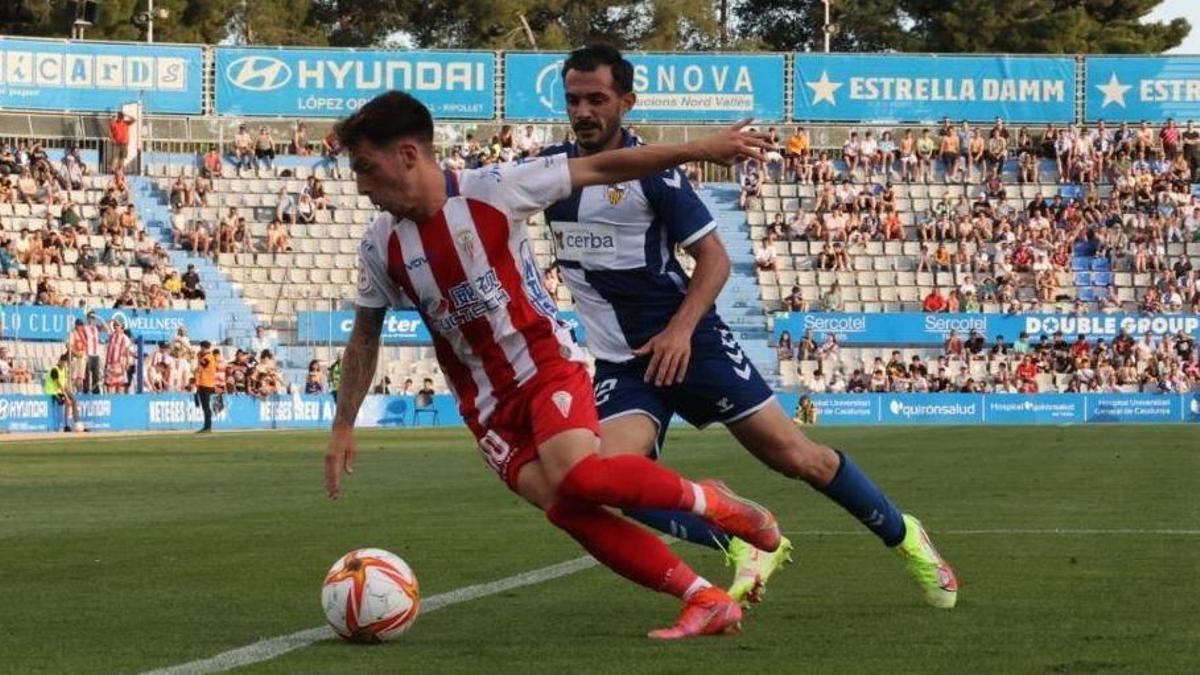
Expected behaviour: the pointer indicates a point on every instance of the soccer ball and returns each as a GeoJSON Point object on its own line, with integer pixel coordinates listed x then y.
{"type": "Point", "coordinates": [370, 595]}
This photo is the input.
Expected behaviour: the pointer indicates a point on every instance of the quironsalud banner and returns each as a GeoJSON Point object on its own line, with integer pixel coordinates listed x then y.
{"type": "Point", "coordinates": [915, 328]}
{"type": "Point", "coordinates": [99, 77]}
{"type": "Point", "coordinates": [928, 88]}
{"type": "Point", "coordinates": [669, 87]}
{"type": "Point", "coordinates": [1131, 89]}
{"type": "Point", "coordinates": [335, 83]}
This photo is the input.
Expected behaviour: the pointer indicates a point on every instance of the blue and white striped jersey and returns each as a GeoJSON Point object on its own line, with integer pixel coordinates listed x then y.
{"type": "Point", "coordinates": [615, 245]}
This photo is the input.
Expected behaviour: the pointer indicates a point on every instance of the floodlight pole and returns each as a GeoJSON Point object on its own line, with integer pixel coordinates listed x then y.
{"type": "Point", "coordinates": [826, 28]}
{"type": "Point", "coordinates": [150, 21]}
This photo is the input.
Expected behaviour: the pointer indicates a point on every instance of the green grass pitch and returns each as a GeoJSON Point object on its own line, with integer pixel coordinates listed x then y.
{"type": "Point", "coordinates": [127, 554]}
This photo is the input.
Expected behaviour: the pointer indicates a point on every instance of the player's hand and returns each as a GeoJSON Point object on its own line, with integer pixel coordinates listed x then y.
{"type": "Point", "coordinates": [734, 145]}
{"type": "Point", "coordinates": [670, 352]}
{"type": "Point", "coordinates": [339, 457]}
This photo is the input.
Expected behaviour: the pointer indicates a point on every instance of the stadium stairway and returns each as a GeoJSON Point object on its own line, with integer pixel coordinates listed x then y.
{"type": "Point", "coordinates": [222, 298]}
{"type": "Point", "coordinates": [739, 303]}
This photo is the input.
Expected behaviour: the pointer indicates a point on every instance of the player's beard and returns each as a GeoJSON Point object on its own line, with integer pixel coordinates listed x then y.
{"type": "Point", "coordinates": [605, 130]}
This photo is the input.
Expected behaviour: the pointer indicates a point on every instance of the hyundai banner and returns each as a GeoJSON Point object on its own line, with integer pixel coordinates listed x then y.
{"type": "Point", "coordinates": [971, 409]}
{"type": "Point", "coordinates": [1143, 88]}
{"type": "Point", "coordinates": [669, 87]}
{"type": "Point", "coordinates": [399, 327]}
{"type": "Point", "coordinates": [335, 83]}
{"type": "Point", "coordinates": [929, 88]}
{"type": "Point", "coordinates": [99, 77]}
{"type": "Point", "coordinates": [913, 328]}
{"type": "Point", "coordinates": [43, 322]}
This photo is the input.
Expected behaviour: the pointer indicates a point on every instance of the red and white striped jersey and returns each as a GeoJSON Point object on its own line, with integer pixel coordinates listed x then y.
{"type": "Point", "coordinates": [471, 273]}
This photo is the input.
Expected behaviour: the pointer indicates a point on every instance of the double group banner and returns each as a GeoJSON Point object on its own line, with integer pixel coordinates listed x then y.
{"type": "Point", "coordinates": [163, 412]}
{"type": "Point", "coordinates": [694, 87]}
{"type": "Point", "coordinates": [43, 322]}
{"type": "Point", "coordinates": [946, 409]}
{"type": "Point", "coordinates": [335, 83]}
{"type": "Point", "coordinates": [927, 88]}
{"type": "Point", "coordinates": [99, 77]}
{"type": "Point", "coordinates": [400, 327]}
{"type": "Point", "coordinates": [1131, 89]}
{"type": "Point", "coordinates": [920, 329]}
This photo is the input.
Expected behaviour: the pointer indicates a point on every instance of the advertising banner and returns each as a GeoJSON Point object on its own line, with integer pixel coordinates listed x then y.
{"type": "Point", "coordinates": [1143, 88]}
{"type": "Point", "coordinates": [399, 327]}
{"type": "Point", "coordinates": [335, 83]}
{"type": "Point", "coordinates": [929, 88]}
{"type": "Point", "coordinates": [43, 322]}
{"type": "Point", "coordinates": [915, 328]}
{"type": "Point", "coordinates": [99, 77]}
{"type": "Point", "coordinates": [669, 87]}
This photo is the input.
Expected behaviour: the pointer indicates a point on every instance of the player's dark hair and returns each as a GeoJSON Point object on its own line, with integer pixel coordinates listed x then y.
{"type": "Point", "coordinates": [387, 117]}
{"type": "Point", "coordinates": [588, 59]}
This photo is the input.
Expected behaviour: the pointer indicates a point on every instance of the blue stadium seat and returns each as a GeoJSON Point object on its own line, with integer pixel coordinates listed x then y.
{"type": "Point", "coordinates": [1083, 278]}
{"type": "Point", "coordinates": [1101, 265]}
{"type": "Point", "coordinates": [1102, 279]}
{"type": "Point", "coordinates": [1088, 294]}
{"type": "Point", "coordinates": [1081, 263]}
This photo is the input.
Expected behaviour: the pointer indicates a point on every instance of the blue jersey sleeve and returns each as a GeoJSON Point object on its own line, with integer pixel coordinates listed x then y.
{"type": "Point", "coordinates": [677, 205]}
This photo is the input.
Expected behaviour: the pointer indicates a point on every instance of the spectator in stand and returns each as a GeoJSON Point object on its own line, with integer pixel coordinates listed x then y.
{"type": "Point", "coordinates": [300, 140]}
{"type": "Point", "coordinates": [315, 189]}
{"type": "Point", "coordinates": [425, 394]}
{"type": "Point", "coordinates": [264, 149]}
{"type": "Point", "coordinates": [784, 348]}
{"type": "Point", "coordinates": [243, 150]}
{"type": "Point", "coordinates": [807, 349]}
{"type": "Point", "coordinates": [795, 301]}
{"type": "Point", "coordinates": [751, 187]}
{"type": "Point", "coordinates": [331, 147]}
{"type": "Point", "coordinates": [118, 137]}
{"type": "Point", "coordinates": [192, 290]}
{"type": "Point", "coordinates": [934, 301]}
{"type": "Point", "coordinates": [173, 285]}
{"type": "Point", "coordinates": [285, 206]}
{"type": "Point", "coordinates": [765, 257]}
{"type": "Point", "coordinates": [211, 165]}
{"type": "Point", "coordinates": [313, 381]}
{"type": "Point", "coordinates": [954, 346]}
{"type": "Point", "coordinates": [306, 211]}
{"type": "Point", "coordinates": [831, 300]}
{"type": "Point", "coordinates": [278, 239]}
{"type": "Point", "coordinates": [118, 360]}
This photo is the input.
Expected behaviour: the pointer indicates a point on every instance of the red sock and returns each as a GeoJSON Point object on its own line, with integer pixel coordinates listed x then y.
{"type": "Point", "coordinates": [623, 547]}
{"type": "Point", "coordinates": [627, 482]}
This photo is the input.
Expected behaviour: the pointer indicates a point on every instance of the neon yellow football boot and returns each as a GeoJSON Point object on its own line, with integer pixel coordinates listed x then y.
{"type": "Point", "coordinates": [933, 574]}
{"type": "Point", "coordinates": [753, 568]}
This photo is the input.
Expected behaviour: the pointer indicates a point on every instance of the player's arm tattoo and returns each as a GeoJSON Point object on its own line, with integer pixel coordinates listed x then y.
{"type": "Point", "coordinates": [358, 363]}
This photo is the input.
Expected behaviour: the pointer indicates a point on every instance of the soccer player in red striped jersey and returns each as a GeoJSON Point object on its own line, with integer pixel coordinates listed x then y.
{"type": "Point", "coordinates": [457, 250]}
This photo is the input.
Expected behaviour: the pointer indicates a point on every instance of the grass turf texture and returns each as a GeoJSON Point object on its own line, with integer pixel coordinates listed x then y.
{"type": "Point", "coordinates": [121, 555]}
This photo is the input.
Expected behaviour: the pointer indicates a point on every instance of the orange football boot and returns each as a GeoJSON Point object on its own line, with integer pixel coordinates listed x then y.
{"type": "Point", "coordinates": [708, 612]}
{"type": "Point", "coordinates": [740, 517]}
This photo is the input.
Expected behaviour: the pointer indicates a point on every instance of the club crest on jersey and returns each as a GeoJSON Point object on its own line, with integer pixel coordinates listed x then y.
{"type": "Point", "coordinates": [615, 194]}
{"type": "Point", "coordinates": [562, 401]}
{"type": "Point", "coordinates": [466, 241]}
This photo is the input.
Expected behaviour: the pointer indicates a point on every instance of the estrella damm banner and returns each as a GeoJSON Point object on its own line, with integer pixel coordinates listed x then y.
{"type": "Point", "coordinates": [99, 77]}
{"type": "Point", "coordinates": [1142, 88]}
{"type": "Point", "coordinates": [669, 87]}
{"type": "Point", "coordinates": [929, 88]}
{"type": "Point", "coordinates": [336, 82]}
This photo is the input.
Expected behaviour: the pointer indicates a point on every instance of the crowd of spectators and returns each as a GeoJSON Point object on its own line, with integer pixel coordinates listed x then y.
{"type": "Point", "coordinates": [1167, 364]}
{"type": "Point", "coordinates": [994, 247]}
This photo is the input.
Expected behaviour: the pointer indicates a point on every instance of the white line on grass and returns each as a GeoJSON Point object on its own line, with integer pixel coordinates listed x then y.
{"type": "Point", "coordinates": [265, 650]}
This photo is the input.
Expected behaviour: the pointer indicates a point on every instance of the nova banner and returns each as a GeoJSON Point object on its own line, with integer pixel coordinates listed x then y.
{"type": "Point", "coordinates": [669, 87]}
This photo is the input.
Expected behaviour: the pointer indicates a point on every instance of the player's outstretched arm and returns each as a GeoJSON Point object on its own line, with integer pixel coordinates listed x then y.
{"type": "Point", "coordinates": [358, 367]}
{"type": "Point", "coordinates": [727, 147]}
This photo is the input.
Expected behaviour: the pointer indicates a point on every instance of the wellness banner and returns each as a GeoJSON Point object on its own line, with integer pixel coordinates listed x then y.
{"type": "Point", "coordinates": [913, 328]}
{"type": "Point", "coordinates": [41, 322]}
{"type": "Point", "coordinates": [335, 83]}
{"type": "Point", "coordinates": [928, 88]}
{"type": "Point", "coordinates": [669, 87]}
{"type": "Point", "coordinates": [99, 77]}
{"type": "Point", "coordinates": [1143, 88]}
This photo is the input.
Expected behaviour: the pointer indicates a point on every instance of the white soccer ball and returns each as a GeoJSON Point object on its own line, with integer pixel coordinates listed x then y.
{"type": "Point", "coordinates": [370, 595]}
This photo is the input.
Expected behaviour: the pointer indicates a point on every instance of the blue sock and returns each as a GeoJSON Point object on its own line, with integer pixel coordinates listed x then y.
{"type": "Point", "coordinates": [682, 525]}
{"type": "Point", "coordinates": [853, 491]}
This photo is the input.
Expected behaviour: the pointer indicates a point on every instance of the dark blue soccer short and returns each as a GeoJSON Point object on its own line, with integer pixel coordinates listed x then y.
{"type": "Point", "coordinates": [721, 385]}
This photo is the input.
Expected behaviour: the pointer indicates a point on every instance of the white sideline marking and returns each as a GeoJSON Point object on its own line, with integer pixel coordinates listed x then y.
{"type": "Point", "coordinates": [264, 650]}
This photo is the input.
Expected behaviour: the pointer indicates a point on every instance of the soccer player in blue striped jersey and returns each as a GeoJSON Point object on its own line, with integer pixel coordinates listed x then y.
{"type": "Point", "coordinates": [661, 349]}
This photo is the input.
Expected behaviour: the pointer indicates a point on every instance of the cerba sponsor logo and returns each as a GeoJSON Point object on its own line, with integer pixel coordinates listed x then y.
{"type": "Point", "coordinates": [577, 242]}
{"type": "Point", "coordinates": [910, 410]}
{"type": "Point", "coordinates": [260, 73]}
